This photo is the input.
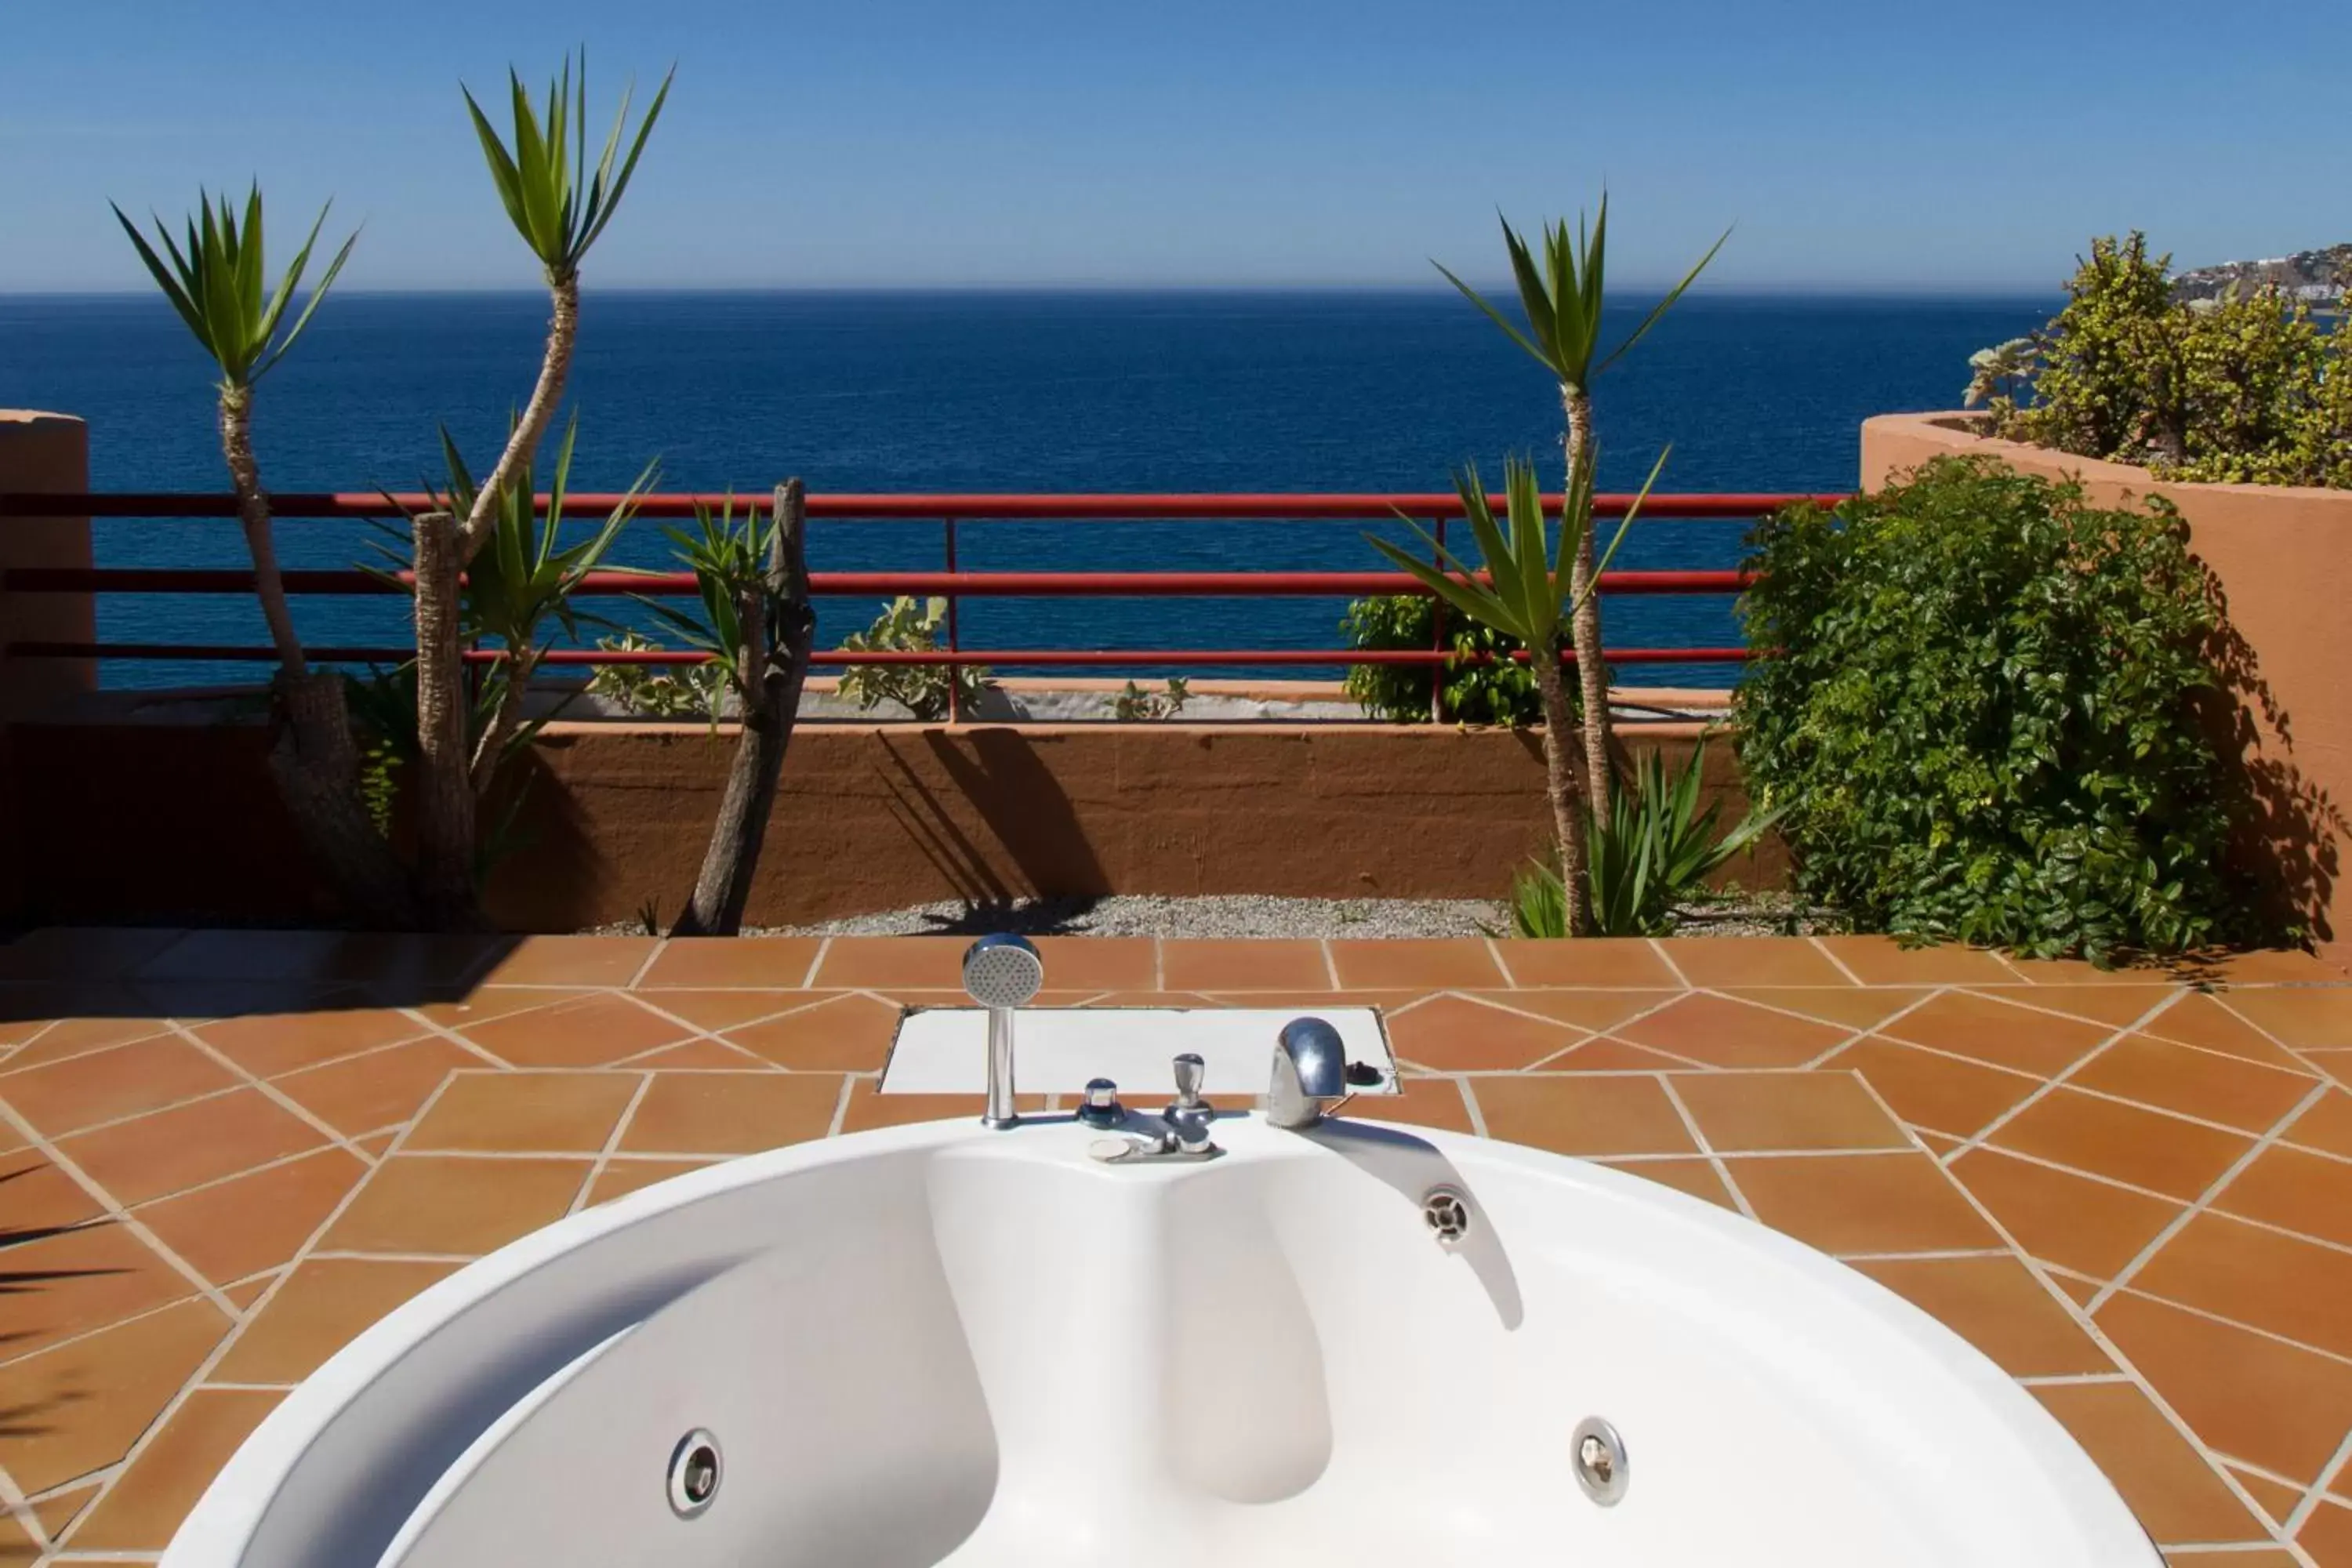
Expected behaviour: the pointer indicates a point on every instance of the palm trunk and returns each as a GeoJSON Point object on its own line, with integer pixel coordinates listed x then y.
{"type": "Point", "coordinates": [775, 663]}
{"type": "Point", "coordinates": [1584, 625]}
{"type": "Point", "coordinates": [313, 758]}
{"type": "Point", "coordinates": [1559, 786]}
{"type": "Point", "coordinates": [506, 717]}
{"type": "Point", "coordinates": [445, 826]}
{"type": "Point", "coordinates": [562, 332]}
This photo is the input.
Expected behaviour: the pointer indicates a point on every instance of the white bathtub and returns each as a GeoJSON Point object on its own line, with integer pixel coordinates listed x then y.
{"type": "Point", "coordinates": [939, 1344]}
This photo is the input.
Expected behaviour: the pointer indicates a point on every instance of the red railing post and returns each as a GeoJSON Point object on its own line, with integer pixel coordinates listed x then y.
{"type": "Point", "coordinates": [1437, 637]}
{"type": "Point", "coordinates": [955, 640]}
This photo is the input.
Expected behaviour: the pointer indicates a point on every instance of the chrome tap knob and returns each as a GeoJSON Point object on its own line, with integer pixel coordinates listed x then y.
{"type": "Point", "coordinates": [1100, 1108]}
{"type": "Point", "coordinates": [1188, 1115]}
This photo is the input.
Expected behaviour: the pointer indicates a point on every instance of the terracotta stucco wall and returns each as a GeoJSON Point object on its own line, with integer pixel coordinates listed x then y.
{"type": "Point", "coordinates": [172, 822]}
{"type": "Point", "coordinates": [2284, 558]}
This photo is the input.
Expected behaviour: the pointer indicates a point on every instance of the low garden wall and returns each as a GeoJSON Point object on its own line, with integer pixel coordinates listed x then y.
{"type": "Point", "coordinates": [168, 822]}
{"type": "Point", "coordinates": [2283, 556]}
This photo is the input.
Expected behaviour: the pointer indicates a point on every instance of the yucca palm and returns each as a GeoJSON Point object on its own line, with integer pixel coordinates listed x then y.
{"type": "Point", "coordinates": [217, 282]}
{"type": "Point", "coordinates": [1562, 296]}
{"type": "Point", "coordinates": [1528, 586]}
{"type": "Point", "coordinates": [559, 203]}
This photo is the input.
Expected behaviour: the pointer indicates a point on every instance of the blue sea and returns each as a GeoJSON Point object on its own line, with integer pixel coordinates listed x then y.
{"type": "Point", "coordinates": [1004, 391]}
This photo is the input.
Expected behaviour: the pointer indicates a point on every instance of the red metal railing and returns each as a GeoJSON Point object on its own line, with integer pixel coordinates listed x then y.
{"type": "Point", "coordinates": [951, 583]}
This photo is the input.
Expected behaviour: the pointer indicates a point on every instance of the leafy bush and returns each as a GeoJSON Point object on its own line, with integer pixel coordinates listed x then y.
{"type": "Point", "coordinates": [657, 692]}
{"type": "Point", "coordinates": [1977, 700]}
{"type": "Point", "coordinates": [905, 627]}
{"type": "Point", "coordinates": [1501, 692]}
{"type": "Point", "coordinates": [1138, 704]}
{"type": "Point", "coordinates": [2243, 389]}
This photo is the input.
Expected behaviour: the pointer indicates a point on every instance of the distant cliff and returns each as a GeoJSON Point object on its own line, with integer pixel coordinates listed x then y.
{"type": "Point", "coordinates": [2315, 277]}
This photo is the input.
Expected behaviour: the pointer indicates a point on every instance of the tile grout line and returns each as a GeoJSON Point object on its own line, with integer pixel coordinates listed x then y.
{"type": "Point", "coordinates": [282, 1099]}
{"type": "Point", "coordinates": [1659, 951]}
{"type": "Point", "coordinates": [1715, 1161]}
{"type": "Point", "coordinates": [242, 1322]}
{"type": "Point", "coordinates": [1494, 952]}
{"type": "Point", "coordinates": [2173, 1198]}
{"type": "Point", "coordinates": [2078, 1313]}
{"type": "Point", "coordinates": [2199, 1205]}
{"type": "Point", "coordinates": [604, 1159]}
{"type": "Point", "coordinates": [1470, 1103]}
{"type": "Point", "coordinates": [1330, 963]}
{"type": "Point", "coordinates": [1843, 967]}
{"type": "Point", "coordinates": [816, 961]}
{"type": "Point", "coordinates": [2049, 1086]}
{"type": "Point", "coordinates": [2302, 1511]}
{"type": "Point", "coordinates": [841, 1102]}
{"type": "Point", "coordinates": [637, 978]}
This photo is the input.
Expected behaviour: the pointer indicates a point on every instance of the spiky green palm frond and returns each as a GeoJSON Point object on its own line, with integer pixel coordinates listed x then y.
{"type": "Point", "coordinates": [215, 283]}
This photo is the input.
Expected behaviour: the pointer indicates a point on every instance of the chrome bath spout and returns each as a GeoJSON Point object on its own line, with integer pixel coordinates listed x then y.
{"type": "Point", "coordinates": [1310, 1071]}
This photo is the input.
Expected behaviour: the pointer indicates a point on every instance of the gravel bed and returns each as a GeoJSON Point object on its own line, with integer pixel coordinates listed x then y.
{"type": "Point", "coordinates": [1259, 915]}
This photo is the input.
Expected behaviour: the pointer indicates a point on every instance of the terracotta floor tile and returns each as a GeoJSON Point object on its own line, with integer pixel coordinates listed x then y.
{"type": "Point", "coordinates": [107, 1086]}
{"type": "Point", "coordinates": [2296, 1191]}
{"type": "Point", "coordinates": [79, 1407]}
{"type": "Point", "coordinates": [83, 952]}
{"type": "Point", "coordinates": [1986, 1029]}
{"type": "Point", "coordinates": [699, 1056]}
{"type": "Point", "coordinates": [2198, 1019]}
{"type": "Point", "coordinates": [454, 1203]}
{"type": "Point", "coordinates": [770, 963]}
{"type": "Point", "coordinates": [365, 1093]}
{"type": "Point", "coordinates": [570, 961]}
{"type": "Point", "coordinates": [319, 1311]}
{"type": "Point", "coordinates": [1448, 1034]}
{"type": "Point", "coordinates": [74, 1037]}
{"type": "Point", "coordinates": [1769, 961]}
{"type": "Point", "coordinates": [245, 1292]}
{"type": "Point", "coordinates": [2061, 1217]}
{"type": "Point", "coordinates": [2144, 1148]}
{"type": "Point", "coordinates": [1748, 1112]}
{"type": "Point", "coordinates": [716, 1010]}
{"type": "Point", "coordinates": [80, 1281]}
{"type": "Point", "coordinates": [1696, 1177]}
{"type": "Point", "coordinates": [1881, 961]}
{"type": "Point", "coordinates": [1437, 964]}
{"type": "Point", "coordinates": [2081, 1292]}
{"type": "Point", "coordinates": [1267, 964]}
{"type": "Point", "coordinates": [731, 1113]}
{"type": "Point", "coordinates": [849, 1033]}
{"type": "Point", "coordinates": [1997, 1305]}
{"type": "Point", "coordinates": [1598, 1009]}
{"type": "Point", "coordinates": [2326, 1126]}
{"type": "Point", "coordinates": [1853, 1006]}
{"type": "Point", "coordinates": [1602, 1054]}
{"type": "Point", "coordinates": [1100, 962]}
{"type": "Point", "coordinates": [2284, 966]}
{"type": "Point", "coordinates": [2056, 971]}
{"type": "Point", "coordinates": [2315, 1017]}
{"type": "Point", "coordinates": [624, 1177]}
{"type": "Point", "coordinates": [1860, 1202]}
{"type": "Point", "coordinates": [1723, 1033]}
{"type": "Point", "coordinates": [2259, 1278]}
{"type": "Point", "coordinates": [35, 1195]}
{"type": "Point", "coordinates": [590, 1032]}
{"type": "Point", "coordinates": [269, 1044]}
{"type": "Point", "coordinates": [1929, 1091]}
{"type": "Point", "coordinates": [2336, 1064]}
{"type": "Point", "coordinates": [1308, 1000]}
{"type": "Point", "coordinates": [2166, 1482]}
{"type": "Point", "coordinates": [2243, 1395]}
{"type": "Point", "coordinates": [154, 1155]}
{"type": "Point", "coordinates": [868, 1109]}
{"type": "Point", "coordinates": [2194, 1083]}
{"type": "Point", "coordinates": [486, 1003]}
{"type": "Point", "coordinates": [256, 1221]}
{"type": "Point", "coordinates": [880, 962]}
{"type": "Point", "coordinates": [2115, 1006]}
{"type": "Point", "coordinates": [1584, 1115]}
{"type": "Point", "coordinates": [1937, 1143]}
{"type": "Point", "coordinates": [2327, 1534]}
{"type": "Point", "coordinates": [2253, 1557]}
{"type": "Point", "coordinates": [1200, 999]}
{"type": "Point", "coordinates": [1612, 962]}
{"type": "Point", "coordinates": [537, 1112]}
{"type": "Point", "coordinates": [57, 1511]}
{"type": "Point", "coordinates": [16, 1546]}
{"type": "Point", "coordinates": [1426, 1102]}
{"type": "Point", "coordinates": [142, 1509]}
{"type": "Point", "coordinates": [2275, 1498]}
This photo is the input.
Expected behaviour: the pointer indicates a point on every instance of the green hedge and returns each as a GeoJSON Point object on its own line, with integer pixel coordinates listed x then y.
{"type": "Point", "coordinates": [1497, 693]}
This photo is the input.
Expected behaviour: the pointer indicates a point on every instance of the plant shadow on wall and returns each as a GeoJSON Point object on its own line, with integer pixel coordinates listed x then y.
{"type": "Point", "coordinates": [1990, 712]}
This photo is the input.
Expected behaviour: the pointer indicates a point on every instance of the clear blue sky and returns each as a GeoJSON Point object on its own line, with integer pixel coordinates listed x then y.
{"type": "Point", "coordinates": [1890, 145]}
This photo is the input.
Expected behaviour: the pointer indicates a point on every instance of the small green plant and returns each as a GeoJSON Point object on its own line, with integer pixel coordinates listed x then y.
{"type": "Point", "coordinates": [655, 691]}
{"type": "Point", "coordinates": [1138, 704]}
{"type": "Point", "coordinates": [1977, 700]}
{"type": "Point", "coordinates": [729, 559]}
{"type": "Point", "coordinates": [905, 625]}
{"type": "Point", "coordinates": [2242, 389]}
{"type": "Point", "coordinates": [1483, 684]}
{"type": "Point", "coordinates": [649, 916]}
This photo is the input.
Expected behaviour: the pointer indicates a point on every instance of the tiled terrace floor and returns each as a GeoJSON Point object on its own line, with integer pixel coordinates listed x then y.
{"type": "Point", "coordinates": [222, 1154]}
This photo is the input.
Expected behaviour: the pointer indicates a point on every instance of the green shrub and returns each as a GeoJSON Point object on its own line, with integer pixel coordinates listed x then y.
{"type": "Point", "coordinates": [1977, 700]}
{"type": "Point", "coordinates": [1502, 692]}
{"type": "Point", "coordinates": [2243, 389]}
{"type": "Point", "coordinates": [907, 625]}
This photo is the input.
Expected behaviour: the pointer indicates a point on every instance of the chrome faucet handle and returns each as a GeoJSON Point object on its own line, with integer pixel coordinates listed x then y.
{"type": "Point", "coordinates": [1100, 1108]}
{"type": "Point", "coordinates": [1188, 1115]}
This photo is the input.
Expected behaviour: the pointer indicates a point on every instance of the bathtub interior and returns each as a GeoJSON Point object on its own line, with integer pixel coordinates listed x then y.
{"type": "Point", "coordinates": [996, 1350]}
